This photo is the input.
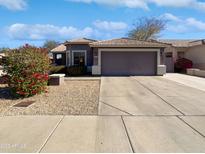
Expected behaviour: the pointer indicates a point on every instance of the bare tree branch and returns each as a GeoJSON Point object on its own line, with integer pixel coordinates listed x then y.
{"type": "Point", "coordinates": [147, 28]}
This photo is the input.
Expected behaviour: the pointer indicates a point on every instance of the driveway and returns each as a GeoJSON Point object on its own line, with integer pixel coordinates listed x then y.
{"type": "Point", "coordinates": [186, 100]}
{"type": "Point", "coordinates": [149, 96]}
{"type": "Point", "coordinates": [190, 81]}
{"type": "Point", "coordinates": [127, 96]}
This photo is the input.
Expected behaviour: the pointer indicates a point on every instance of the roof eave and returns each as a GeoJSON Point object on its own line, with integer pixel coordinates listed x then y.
{"type": "Point", "coordinates": [57, 51]}
{"type": "Point", "coordinates": [125, 46]}
{"type": "Point", "coordinates": [76, 43]}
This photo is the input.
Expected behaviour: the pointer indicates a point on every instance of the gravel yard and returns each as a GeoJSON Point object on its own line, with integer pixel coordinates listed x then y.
{"type": "Point", "coordinates": [74, 98]}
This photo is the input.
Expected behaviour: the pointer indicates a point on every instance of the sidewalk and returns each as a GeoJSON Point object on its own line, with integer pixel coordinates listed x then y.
{"type": "Point", "coordinates": [102, 134]}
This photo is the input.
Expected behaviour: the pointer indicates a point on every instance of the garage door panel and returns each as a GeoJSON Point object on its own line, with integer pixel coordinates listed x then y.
{"type": "Point", "coordinates": [129, 63]}
{"type": "Point", "coordinates": [114, 64]}
{"type": "Point", "coordinates": [143, 63]}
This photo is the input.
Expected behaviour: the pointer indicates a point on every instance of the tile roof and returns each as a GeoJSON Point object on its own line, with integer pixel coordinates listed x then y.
{"type": "Point", "coordinates": [183, 43]}
{"type": "Point", "coordinates": [177, 43]}
{"type": "Point", "coordinates": [80, 40]}
{"type": "Point", "coordinates": [197, 42]}
{"type": "Point", "coordinates": [127, 42]}
{"type": "Point", "coordinates": [60, 48]}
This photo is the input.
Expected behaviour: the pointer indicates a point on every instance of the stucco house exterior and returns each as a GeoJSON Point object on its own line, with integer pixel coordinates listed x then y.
{"type": "Point", "coordinates": [190, 49]}
{"type": "Point", "coordinates": [114, 57]}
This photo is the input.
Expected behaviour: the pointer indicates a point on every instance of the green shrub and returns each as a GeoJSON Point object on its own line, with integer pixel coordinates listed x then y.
{"type": "Point", "coordinates": [27, 70]}
{"type": "Point", "coordinates": [57, 69]}
{"type": "Point", "coordinates": [76, 70]}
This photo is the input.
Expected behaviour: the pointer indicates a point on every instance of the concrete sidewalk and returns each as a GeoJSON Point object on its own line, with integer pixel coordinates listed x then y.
{"type": "Point", "coordinates": [102, 134]}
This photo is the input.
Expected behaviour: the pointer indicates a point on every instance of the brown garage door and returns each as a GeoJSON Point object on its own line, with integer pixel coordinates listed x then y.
{"type": "Point", "coordinates": [128, 63]}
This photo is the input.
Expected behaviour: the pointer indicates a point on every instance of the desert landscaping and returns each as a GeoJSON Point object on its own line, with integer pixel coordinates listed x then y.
{"type": "Point", "coordinates": [72, 98]}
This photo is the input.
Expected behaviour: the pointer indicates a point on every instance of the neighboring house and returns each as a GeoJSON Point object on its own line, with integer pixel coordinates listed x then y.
{"type": "Point", "coordinates": [113, 57]}
{"type": "Point", "coordinates": [190, 49]}
{"type": "Point", "coordinates": [59, 55]}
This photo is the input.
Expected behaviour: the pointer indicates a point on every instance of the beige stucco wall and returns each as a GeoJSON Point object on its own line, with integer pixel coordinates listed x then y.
{"type": "Point", "coordinates": [197, 55]}
{"type": "Point", "coordinates": [173, 50]}
{"type": "Point", "coordinates": [169, 62]}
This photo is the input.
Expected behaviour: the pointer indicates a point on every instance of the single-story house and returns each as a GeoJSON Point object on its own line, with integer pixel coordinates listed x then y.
{"type": "Point", "coordinates": [114, 57]}
{"type": "Point", "coordinates": [190, 49]}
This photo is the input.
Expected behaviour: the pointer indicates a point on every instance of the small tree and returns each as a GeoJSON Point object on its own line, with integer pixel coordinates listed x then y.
{"type": "Point", "coordinates": [147, 28]}
{"type": "Point", "coordinates": [50, 44]}
{"type": "Point", "coordinates": [27, 70]}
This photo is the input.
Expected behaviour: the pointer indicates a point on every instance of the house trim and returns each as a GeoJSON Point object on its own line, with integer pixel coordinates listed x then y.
{"type": "Point", "coordinates": [67, 57]}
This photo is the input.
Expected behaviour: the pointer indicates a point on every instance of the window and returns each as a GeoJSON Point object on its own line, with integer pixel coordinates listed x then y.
{"type": "Point", "coordinates": [168, 54]}
{"type": "Point", "coordinates": [59, 56]}
{"type": "Point", "coordinates": [60, 59]}
{"type": "Point", "coordinates": [79, 58]}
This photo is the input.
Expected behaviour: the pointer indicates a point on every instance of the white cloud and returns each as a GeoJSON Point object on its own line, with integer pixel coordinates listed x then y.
{"type": "Point", "coordinates": [13, 4]}
{"type": "Point", "coordinates": [171, 17]}
{"type": "Point", "coordinates": [120, 3]}
{"type": "Point", "coordinates": [144, 4]}
{"type": "Point", "coordinates": [196, 4]}
{"type": "Point", "coordinates": [99, 29]}
{"type": "Point", "coordinates": [196, 23]}
{"type": "Point", "coordinates": [20, 31]}
{"type": "Point", "coordinates": [110, 25]}
{"type": "Point", "coordinates": [181, 25]}
{"type": "Point", "coordinates": [174, 3]}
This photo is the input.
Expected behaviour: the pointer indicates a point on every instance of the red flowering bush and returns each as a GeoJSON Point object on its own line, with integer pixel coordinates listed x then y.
{"type": "Point", "coordinates": [4, 79]}
{"type": "Point", "coordinates": [183, 64]}
{"type": "Point", "coordinates": [27, 70]}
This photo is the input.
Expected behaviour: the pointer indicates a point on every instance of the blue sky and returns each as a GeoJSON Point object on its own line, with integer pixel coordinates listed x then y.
{"type": "Point", "coordinates": [34, 21]}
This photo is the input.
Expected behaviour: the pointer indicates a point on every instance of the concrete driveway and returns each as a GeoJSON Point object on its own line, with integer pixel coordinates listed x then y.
{"type": "Point", "coordinates": [127, 96]}
{"type": "Point", "coordinates": [190, 81]}
{"type": "Point", "coordinates": [149, 96]}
